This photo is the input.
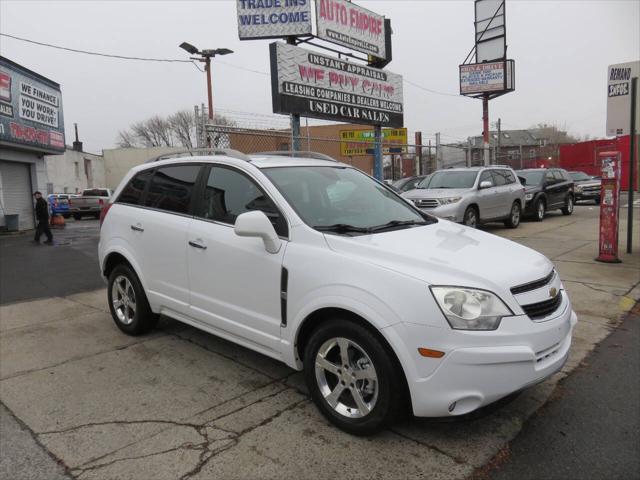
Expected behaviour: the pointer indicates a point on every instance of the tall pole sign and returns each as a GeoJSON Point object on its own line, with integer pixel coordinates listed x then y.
{"type": "Point", "coordinates": [623, 118]}
{"type": "Point", "coordinates": [491, 75]}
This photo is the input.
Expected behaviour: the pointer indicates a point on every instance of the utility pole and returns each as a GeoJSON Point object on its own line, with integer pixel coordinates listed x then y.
{"type": "Point", "coordinates": [498, 145]}
{"type": "Point", "coordinates": [438, 152]}
{"type": "Point", "coordinates": [295, 117]}
{"type": "Point", "coordinates": [418, 167]}
{"type": "Point", "coordinates": [485, 126]}
{"type": "Point", "coordinates": [377, 159]}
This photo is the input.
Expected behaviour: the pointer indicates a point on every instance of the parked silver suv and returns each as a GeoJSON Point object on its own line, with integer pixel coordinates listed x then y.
{"type": "Point", "coordinates": [471, 195]}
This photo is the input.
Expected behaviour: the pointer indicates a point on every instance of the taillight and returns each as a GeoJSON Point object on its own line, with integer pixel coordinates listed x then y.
{"type": "Point", "coordinates": [103, 212]}
{"type": "Point", "coordinates": [101, 202]}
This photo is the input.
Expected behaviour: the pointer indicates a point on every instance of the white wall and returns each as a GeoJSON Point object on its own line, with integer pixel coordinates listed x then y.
{"type": "Point", "coordinates": [61, 171]}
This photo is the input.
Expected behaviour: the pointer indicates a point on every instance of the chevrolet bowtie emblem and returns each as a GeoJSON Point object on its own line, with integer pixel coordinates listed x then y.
{"type": "Point", "coordinates": [553, 292]}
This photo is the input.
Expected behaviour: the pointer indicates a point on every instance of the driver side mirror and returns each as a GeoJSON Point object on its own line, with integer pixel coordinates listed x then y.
{"type": "Point", "coordinates": [256, 224]}
{"type": "Point", "coordinates": [485, 184]}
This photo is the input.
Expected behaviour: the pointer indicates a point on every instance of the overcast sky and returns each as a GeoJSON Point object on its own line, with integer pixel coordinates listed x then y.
{"type": "Point", "coordinates": [561, 49]}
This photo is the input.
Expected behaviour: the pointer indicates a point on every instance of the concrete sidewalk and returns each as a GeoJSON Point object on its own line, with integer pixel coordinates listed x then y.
{"type": "Point", "coordinates": [183, 404]}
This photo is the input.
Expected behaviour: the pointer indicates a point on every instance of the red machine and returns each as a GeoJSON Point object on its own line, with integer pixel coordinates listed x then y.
{"type": "Point", "coordinates": [609, 206]}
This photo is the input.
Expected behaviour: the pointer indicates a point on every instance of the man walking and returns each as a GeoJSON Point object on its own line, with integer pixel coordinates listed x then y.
{"type": "Point", "coordinates": [42, 215]}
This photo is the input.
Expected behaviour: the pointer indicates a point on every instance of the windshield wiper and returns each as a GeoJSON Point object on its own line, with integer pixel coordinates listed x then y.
{"type": "Point", "coordinates": [342, 228]}
{"type": "Point", "coordinates": [397, 223]}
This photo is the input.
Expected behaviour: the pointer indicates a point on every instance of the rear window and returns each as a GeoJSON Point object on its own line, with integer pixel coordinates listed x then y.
{"type": "Point", "coordinates": [171, 188]}
{"type": "Point", "coordinates": [96, 192]}
{"type": "Point", "coordinates": [133, 191]}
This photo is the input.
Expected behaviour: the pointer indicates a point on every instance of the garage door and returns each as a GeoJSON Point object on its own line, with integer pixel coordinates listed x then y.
{"type": "Point", "coordinates": [16, 192]}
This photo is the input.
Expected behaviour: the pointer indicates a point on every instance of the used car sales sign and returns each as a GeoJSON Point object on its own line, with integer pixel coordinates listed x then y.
{"type": "Point", "coordinates": [317, 86]}
{"type": "Point", "coordinates": [345, 23]}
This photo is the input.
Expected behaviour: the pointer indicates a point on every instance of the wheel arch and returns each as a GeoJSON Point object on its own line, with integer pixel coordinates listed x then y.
{"type": "Point", "coordinates": [324, 314]}
{"type": "Point", "coordinates": [117, 257]}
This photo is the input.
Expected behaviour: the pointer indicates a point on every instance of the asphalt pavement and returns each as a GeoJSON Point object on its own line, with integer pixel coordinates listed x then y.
{"type": "Point", "coordinates": [591, 427]}
{"type": "Point", "coordinates": [29, 270]}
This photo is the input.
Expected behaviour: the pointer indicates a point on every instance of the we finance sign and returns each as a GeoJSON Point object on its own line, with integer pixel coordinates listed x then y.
{"type": "Point", "coordinates": [318, 86]}
{"type": "Point", "coordinates": [273, 18]}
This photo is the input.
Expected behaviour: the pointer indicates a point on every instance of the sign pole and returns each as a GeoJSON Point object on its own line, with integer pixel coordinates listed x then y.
{"type": "Point", "coordinates": [377, 159]}
{"type": "Point", "coordinates": [485, 127]}
{"type": "Point", "coordinates": [632, 163]}
{"type": "Point", "coordinates": [295, 117]}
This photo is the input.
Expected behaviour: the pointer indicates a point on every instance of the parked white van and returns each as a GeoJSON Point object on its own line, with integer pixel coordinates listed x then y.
{"type": "Point", "coordinates": [316, 264]}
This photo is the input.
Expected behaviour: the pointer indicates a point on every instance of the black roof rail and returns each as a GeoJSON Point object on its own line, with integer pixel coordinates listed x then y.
{"type": "Point", "coordinates": [297, 154]}
{"type": "Point", "coordinates": [196, 152]}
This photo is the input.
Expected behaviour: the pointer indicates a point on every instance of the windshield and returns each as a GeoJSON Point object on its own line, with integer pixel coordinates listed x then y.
{"type": "Point", "coordinates": [532, 177]}
{"type": "Point", "coordinates": [444, 179]}
{"type": "Point", "coordinates": [340, 197]}
{"type": "Point", "coordinates": [578, 176]}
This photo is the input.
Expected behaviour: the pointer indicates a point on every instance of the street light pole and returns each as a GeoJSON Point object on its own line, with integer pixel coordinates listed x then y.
{"type": "Point", "coordinates": [205, 56]}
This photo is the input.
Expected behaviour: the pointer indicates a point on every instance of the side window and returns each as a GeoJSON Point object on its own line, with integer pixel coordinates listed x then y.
{"type": "Point", "coordinates": [548, 177]}
{"type": "Point", "coordinates": [171, 188]}
{"type": "Point", "coordinates": [133, 191]}
{"type": "Point", "coordinates": [510, 176]}
{"type": "Point", "coordinates": [487, 176]}
{"type": "Point", "coordinates": [560, 176]}
{"type": "Point", "coordinates": [499, 177]}
{"type": "Point", "coordinates": [228, 193]}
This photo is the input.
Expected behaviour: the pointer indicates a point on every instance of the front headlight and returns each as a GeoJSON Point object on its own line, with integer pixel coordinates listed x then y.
{"type": "Point", "coordinates": [469, 308]}
{"type": "Point", "coordinates": [448, 200]}
{"type": "Point", "coordinates": [528, 196]}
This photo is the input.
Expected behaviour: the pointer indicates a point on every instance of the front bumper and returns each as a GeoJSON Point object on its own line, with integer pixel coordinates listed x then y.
{"type": "Point", "coordinates": [475, 373]}
{"type": "Point", "coordinates": [453, 212]}
{"type": "Point", "coordinates": [587, 195]}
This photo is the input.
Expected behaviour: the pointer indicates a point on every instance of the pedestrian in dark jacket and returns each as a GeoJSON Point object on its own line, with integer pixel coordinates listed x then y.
{"type": "Point", "coordinates": [42, 215]}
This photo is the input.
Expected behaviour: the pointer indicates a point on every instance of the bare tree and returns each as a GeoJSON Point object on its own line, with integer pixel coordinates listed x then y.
{"type": "Point", "coordinates": [126, 139]}
{"type": "Point", "coordinates": [183, 127]}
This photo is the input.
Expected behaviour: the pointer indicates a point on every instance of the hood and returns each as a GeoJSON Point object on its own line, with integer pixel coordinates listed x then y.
{"type": "Point", "coordinates": [445, 253]}
{"type": "Point", "coordinates": [435, 193]}
{"type": "Point", "coordinates": [588, 183]}
{"type": "Point", "coordinates": [532, 188]}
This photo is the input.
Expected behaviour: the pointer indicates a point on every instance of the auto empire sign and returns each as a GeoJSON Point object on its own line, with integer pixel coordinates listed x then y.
{"type": "Point", "coordinates": [345, 23]}
{"type": "Point", "coordinates": [619, 78]}
{"type": "Point", "coordinates": [360, 142]}
{"type": "Point", "coordinates": [488, 77]}
{"type": "Point", "coordinates": [273, 18]}
{"type": "Point", "coordinates": [30, 110]}
{"type": "Point", "coordinates": [314, 85]}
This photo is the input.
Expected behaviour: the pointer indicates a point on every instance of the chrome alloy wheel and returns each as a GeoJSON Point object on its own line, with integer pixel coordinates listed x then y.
{"type": "Point", "coordinates": [515, 214]}
{"type": "Point", "coordinates": [540, 211]}
{"type": "Point", "coordinates": [124, 299]}
{"type": "Point", "coordinates": [471, 220]}
{"type": "Point", "coordinates": [346, 377]}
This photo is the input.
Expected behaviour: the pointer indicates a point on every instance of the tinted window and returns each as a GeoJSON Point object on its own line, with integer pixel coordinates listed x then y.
{"type": "Point", "coordinates": [134, 190]}
{"type": "Point", "coordinates": [499, 177]}
{"type": "Point", "coordinates": [96, 192]}
{"type": "Point", "coordinates": [532, 177]}
{"type": "Point", "coordinates": [228, 193]}
{"type": "Point", "coordinates": [171, 188]}
{"type": "Point", "coordinates": [510, 176]}
{"type": "Point", "coordinates": [548, 177]}
{"type": "Point", "coordinates": [579, 176]}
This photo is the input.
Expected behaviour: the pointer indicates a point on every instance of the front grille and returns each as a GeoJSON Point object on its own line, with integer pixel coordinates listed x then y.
{"type": "Point", "coordinates": [593, 188]}
{"type": "Point", "coordinates": [543, 309]}
{"type": "Point", "coordinates": [426, 203]}
{"type": "Point", "coordinates": [527, 287]}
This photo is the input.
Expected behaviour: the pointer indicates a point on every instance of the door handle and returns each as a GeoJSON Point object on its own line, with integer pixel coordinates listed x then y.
{"type": "Point", "coordinates": [137, 228]}
{"type": "Point", "coordinates": [197, 244]}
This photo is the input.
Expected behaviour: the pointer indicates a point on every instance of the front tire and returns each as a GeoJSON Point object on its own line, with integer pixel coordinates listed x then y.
{"type": "Point", "coordinates": [568, 206]}
{"type": "Point", "coordinates": [470, 218]}
{"type": "Point", "coordinates": [514, 217]}
{"type": "Point", "coordinates": [539, 210]}
{"type": "Point", "coordinates": [128, 303]}
{"type": "Point", "coordinates": [352, 379]}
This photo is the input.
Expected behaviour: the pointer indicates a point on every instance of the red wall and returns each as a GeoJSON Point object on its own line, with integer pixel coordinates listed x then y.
{"type": "Point", "coordinates": [583, 156]}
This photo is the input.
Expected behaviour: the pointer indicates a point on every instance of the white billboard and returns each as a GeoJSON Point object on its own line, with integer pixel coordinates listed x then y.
{"type": "Point", "coordinates": [345, 23]}
{"type": "Point", "coordinates": [619, 98]}
{"type": "Point", "coordinates": [315, 85]}
{"type": "Point", "coordinates": [491, 77]}
{"type": "Point", "coordinates": [273, 18]}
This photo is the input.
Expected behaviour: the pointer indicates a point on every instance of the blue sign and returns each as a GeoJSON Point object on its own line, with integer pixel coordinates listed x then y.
{"type": "Point", "coordinates": [30, 110]}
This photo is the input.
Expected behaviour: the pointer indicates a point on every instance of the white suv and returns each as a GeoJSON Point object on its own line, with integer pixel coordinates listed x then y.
{"type": "Point", "coordinates": [316, 264]}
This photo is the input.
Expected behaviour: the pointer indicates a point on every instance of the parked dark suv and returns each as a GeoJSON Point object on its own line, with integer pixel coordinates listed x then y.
{"type": "Point", "coordinates": [547, 189]}
{"type": "Point", "coordinates": [586, 187]}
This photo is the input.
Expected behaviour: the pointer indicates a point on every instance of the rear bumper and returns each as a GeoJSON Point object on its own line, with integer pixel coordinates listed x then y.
{"type": "Point", "coordinates": [470, 377]}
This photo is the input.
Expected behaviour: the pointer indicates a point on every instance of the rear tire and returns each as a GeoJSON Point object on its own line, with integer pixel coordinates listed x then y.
{"type": "Point", "coordinates": [352, 378]}
{"type": "Point", "coordinates": [539, 210]}
{"type": "Point", "coordinates": [568, 206]}
{"type": "Point", "coordinates": [128, 303]}
{"type": "Point", "coordinates": [470, 218]}
{"type": "Point", "coordinates": [514, 217]}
